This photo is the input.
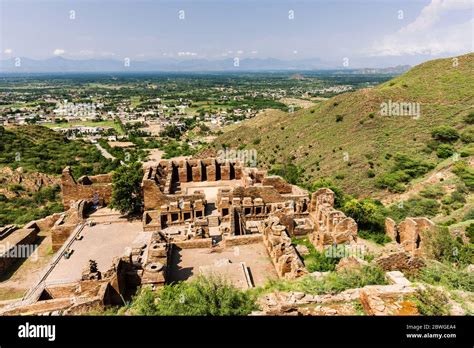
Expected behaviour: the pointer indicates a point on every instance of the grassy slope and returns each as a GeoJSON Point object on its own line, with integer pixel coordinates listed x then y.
{"type": "Point", "coordinates": [445, 92]}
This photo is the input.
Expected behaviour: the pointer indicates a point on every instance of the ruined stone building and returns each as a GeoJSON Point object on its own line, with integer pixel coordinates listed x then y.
{"type": "Point", "coordinates": [200, 216]}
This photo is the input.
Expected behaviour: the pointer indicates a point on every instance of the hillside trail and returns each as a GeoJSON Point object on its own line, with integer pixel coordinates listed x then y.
{"type": "Point", "coordinates": [434, 177]}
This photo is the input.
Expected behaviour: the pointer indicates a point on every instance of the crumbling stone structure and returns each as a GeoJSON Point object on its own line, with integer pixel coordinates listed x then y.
{"type": "Point", "coordinates": [16, 244]}
{"type": "Point", "coordinates": [331, 226]}
{"type": "Point", "coordinates": [96, 189]}
{"type": "Point", "coordinates": [409, 233]}
{"type": "Point", "coordinates": [283, 254]}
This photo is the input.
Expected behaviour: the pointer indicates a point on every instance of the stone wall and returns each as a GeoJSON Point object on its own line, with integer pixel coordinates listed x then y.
{"type": "Point", "coordinates": [409, 233]}
{"type": "Point", "coordinates": [231, 241]}
{"type": "Point", "coordinates": [16, 246]}
{"type": "Point", "coordinates": [89, 188]}
{"type": "Point", "coordinates": [331, 226]}
{"type": "Point", "coordinates": [282, 253]}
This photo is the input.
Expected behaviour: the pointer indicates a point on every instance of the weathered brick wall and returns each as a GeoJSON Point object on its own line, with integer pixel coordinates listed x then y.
{"type": "Point", "coordinates": [29, 238]}
{"type": "Point", "coordinates": [230, 241]}
{"type": "Point", "coordinates": [60, 234]}
{"type": "Point", "coordinates": [73, 191]}
{"type": "Point", "coordinates": [282, 253]}
{"type": "Point", "coordinates": [194, 243]}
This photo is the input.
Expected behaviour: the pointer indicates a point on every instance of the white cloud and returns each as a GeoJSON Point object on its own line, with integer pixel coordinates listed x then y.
{"type": "Point", "coordinates": [8, 51]}
{"type": "Point", "coordinates": [424, 36]}
{"type": "Point", "coordinates": [58, 51]}
{"type": "Point", "coordinates": [187, 54]}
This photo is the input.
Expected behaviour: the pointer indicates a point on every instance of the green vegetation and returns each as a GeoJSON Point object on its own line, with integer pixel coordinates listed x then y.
{"type": "Point", "coordinates": [21, 210]}
{"type": "Point", "coordinates": [405, 168]}
{"type": "Point", "coordinates": [114, 124]}
{"type": "Point", "coordinates": [441, 246]}
{"type": "Point", "coordinates": [447, 275]}
{"type": "Point", "coordinates": [200, 297]}
{"type": "Point", "coordinates": [316, 261]}
{"type": "Point", "coordinates": [445, 134]}
{"type": "Point", "coordinates": [126, 188]}
{"type": "Point", "coordinates": [432, 301]}
{"type": "Point", "coordinates": [318, 144]}
{"type": "Point", "coordinates": [175, 149]}
{"type": "Point", "coordinates": [339, 196]}
{"type": "Point", "coordinates": [36, 148]}
{"type": "Point", "coordinates": [39, 149]}
{"type": "Point", "coordinates": [413, 207]}
{"type": "Point", "coordinates": [445, 150]}
{"type": "Point", "coordinates": [289, 172]}
{"type": "Point", "coordinates": [332, 283]}
{"type": "Point", "coordinates": [466, 173]}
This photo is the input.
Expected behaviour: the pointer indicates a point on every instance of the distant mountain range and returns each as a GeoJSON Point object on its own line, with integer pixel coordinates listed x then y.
{"type": "Point", "coordinates": [61, 64]}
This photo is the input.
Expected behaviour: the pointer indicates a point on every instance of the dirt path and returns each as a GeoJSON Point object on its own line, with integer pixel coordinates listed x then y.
{"type": "Point", "coordinates": [433, 178]}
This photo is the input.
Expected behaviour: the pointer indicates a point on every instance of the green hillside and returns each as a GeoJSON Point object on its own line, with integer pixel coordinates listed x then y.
{"type": "Point", "coordinates": [42, 154]}
{"type": "Point", "coordinates": [347, 138]}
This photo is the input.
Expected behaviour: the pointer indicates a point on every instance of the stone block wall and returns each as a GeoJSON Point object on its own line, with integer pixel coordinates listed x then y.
{"type": "Point", "coordinates": [282, 253]}
{"type": "Point", "coordinates": [409, 233]}
{"type": "Point", "coordinates": [87, 188]}
{"type": "Point", "coordinates": [331, 226]}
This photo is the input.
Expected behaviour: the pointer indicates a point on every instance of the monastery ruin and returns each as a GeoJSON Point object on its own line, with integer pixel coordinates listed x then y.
{"type": "Point", "coordinates": [201, 216]}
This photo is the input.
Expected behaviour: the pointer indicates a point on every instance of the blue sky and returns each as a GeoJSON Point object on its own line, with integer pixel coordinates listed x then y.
{"type": "Point", "coordinates": [214, 29]}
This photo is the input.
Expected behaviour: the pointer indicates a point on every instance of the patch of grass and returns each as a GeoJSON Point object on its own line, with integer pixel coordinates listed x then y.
{"type": "Point", "coordinates": [446, 275]}
{"type": "Point", "coordinates": [333, 283]}
{"type": "Point", "coordinates": [376, 237]}
{"type": "Point", "coordinates": [316, 261]}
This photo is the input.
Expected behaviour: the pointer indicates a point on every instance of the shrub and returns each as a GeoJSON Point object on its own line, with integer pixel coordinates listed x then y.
{"type": "Point", "coordinates": [469, 118]}
{"type": "Point", "coordinates": [368, 213]}
{"type": "Point", "coordinates": [370, 173]}
{"type": "Point", "coordinates": [316, 261]}
{"type": "Point", "coordinates": [403, 170]}
{"type": "Point", "coordinates": [462, 170]}
{"type": "Point", "coordinates": [445, 134]}
{"type": "Point", "coordinates": [432, 191]}
{"type": "Point", "coordinates": [441, 246]}
{"type": "Point", "coordinates": [378, 237]}
{"type": "Point", "coordinates": [468, 135]}
{"type": "Point", "coordinates": [447, 275]}
{"type": "Point", "coordinates": [126, 188]}
{"type": "Point", "coordinates": [431, 301]}
{"type": "Point", "coordinates": [290, 172]}
{"type": "Point", "coordinates": [445, 150]}
{"type": "Point", "coordinates": [334, 282]}
{"type": "Point", "coordinates": [470, 232]}
{"type": "Point", "coordinates": [339, 118]}
{"type": "Point", "coordinates": [201, 297]}
{"type": "Point", "coordinates": [415, 206]}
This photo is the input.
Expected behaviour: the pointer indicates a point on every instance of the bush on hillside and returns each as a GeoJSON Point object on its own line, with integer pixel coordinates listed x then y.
{"type": "Point", "coordinates": [445, 134]}
{"type": "Point", "coordinates": [445, 150]}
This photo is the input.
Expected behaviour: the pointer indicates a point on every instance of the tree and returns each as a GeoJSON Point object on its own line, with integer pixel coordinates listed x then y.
{"type": "Point", "coordinates": [126, 189]}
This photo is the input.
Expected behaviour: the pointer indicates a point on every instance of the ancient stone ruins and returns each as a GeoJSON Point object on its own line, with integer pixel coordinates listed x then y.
{"type": "Point", "coordinates": [201, 216]}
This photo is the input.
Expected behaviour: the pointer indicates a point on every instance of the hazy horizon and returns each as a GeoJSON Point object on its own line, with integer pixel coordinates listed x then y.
{"type": "Point", "coordinates": [383, 33]}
